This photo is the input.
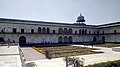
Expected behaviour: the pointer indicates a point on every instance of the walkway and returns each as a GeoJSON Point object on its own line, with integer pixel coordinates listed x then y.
{"type": "Point", "coordinates": [31, 54]}
{"type": "Point", "coordinates": [108, 55]}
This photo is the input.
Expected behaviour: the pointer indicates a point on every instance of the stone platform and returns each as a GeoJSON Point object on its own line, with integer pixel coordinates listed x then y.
{"type": "Point", "coordinates": [116, 49]}
{"type": "Point", "coordinates": [10, 57]}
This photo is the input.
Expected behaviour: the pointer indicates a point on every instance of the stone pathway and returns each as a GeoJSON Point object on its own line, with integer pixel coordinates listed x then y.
{"type": "Point", "coordinates": [30, 54]}
{"type": "Point", "coordinates": [108, 55]}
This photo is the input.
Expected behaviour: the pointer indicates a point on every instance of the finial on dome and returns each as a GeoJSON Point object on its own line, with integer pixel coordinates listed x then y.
{"type": "Point", "coordinates": [80, 14]}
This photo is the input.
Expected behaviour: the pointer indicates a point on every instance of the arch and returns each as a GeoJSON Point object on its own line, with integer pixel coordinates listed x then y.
{"type": "Point", "coordinates": [39, 29]}
{"type": "Point", "coordinates": [22, 40]}
{"type": "Point", "coordinates": [103, 39]}
{"type": "Point", "coordinates": [94, 39]}
{"type": "Point", "coordinates": [60, 39]}
{"type": "Point", "coordinates": [2, 40]}
{"type": "Point", "coordinates": [32, 30]}
{"type": "Point", "coordinates": [65, 39]}
{"type": "Point", "coordinates": [80, 31]}
{"type": "Point", "coordinates": [48, 30]}
{"type": "Point", "coordinates": [60, 30]}
{"type": "Point", "coordinates": [89, 32]}
{"type": "Point", "coordinates": [83, 31]}
{"type": "Point", "coordinates": [70, 39]}
{"type": "Point", "coordinates": [43, 30]}
{"type": "Point", "coordinates": [65, 30]}
{"type": "Point", "coordinates": [70, 31]}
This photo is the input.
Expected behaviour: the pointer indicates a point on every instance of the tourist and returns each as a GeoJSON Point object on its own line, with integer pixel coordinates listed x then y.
{"type": "Point", "coordinates": [8, 41]}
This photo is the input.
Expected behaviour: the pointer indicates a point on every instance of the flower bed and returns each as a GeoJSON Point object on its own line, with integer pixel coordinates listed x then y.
{"type": "Point", "coordinates": [63, 51]}
{"type": "Point", "coordinates": [38, 49]}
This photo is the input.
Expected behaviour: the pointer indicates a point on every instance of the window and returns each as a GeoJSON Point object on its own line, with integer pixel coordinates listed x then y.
{"type": "Point", "coordinates": [103, 32]}
{"type": "Point", "coordinates": [70, 31]}
{"type": "Point", "coordinates": [53, 31]}
{"type": "Point", "coordinates": [85, 32]}
{"type": "Point", "coordinates": [80, 31]}
{"type": "Point", "coordinates": [43, 30]}
{"type": "Point", "coordinates": [60, 31]}
{"type": "Point", "coordinates": [97, 32]}
{"type": "Point", "coordinates": [32, 30]}
{"type": "Point", "coordinates": [115, 31]}
{"type": "Point", "coordinates": [75, 32]}
{"type": "Point", "coordinates": [89, 32]}
{"type": "Point", "coordinates": [3, 30]}
{"type": "Point", "coordinates": [22, 30]}
{"type": "Point", "coordinates": [48, 30]}
{"type": "Point", "coordinates": [94, 32]}
{"type": "Point", "coordinates": [65, 31]}
{"type": "Point", "coordinates": [14, 30]}
{"type": "Point", "coordinates": [39, 29]}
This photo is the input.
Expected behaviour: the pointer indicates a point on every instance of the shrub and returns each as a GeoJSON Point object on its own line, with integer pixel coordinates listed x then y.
{"type": "Point", "coordinates": [106, 64]}
{"type": "Point", "coordinates": [48, 54]}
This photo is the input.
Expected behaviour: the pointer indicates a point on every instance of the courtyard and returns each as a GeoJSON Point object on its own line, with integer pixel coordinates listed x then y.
{"type": "Point", "coordinates": [39, 59]}
{"type": "Point", "coordinates": [107, 55]}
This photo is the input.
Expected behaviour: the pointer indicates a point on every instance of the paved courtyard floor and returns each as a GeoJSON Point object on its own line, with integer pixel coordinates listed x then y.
{"type": "Point", "coordinates": [31, 54]}
{"type": "Point", "coordinates": [108, 55]}
{"type": "Point", "coordinates": [9, 57]}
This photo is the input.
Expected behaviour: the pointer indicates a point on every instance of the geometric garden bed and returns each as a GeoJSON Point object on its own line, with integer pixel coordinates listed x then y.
{"type": "Point", "coordinates": [63, 51]}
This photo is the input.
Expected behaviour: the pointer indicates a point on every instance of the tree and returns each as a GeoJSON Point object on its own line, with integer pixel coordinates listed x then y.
{"type": "Point", "coordinates": [74, 62]}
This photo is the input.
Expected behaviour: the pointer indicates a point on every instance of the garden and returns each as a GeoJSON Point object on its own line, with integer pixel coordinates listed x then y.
{"type": "Point", "coordinates": [108, 45]}
{"type": "Point", "coordinates": [63, 51]}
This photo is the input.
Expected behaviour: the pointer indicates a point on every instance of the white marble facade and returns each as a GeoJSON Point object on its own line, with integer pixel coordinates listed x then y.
{"type": "Point", "coordinates": [52, 32]}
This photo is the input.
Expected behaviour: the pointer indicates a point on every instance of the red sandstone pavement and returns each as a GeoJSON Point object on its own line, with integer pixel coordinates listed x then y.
{"type": "Point", "coordinates": [30, 54]}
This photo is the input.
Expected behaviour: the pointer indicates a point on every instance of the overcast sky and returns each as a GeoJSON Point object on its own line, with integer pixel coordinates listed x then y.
{"type": "Point", "coordinates": [94, 11]}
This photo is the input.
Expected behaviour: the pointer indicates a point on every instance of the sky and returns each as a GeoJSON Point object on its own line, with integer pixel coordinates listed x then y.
{"type": "Point", "coordinates": [96, 12]}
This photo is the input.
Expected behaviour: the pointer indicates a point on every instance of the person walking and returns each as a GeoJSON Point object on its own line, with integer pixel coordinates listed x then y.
{"type": "Point", "coordinates": [8, 43]}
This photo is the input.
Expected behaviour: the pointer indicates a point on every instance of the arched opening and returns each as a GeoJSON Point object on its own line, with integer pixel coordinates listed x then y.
{"type": "Point", "coordinates": [70, 31]}
{"type": "Point", "coordinates": [80, 31]}
{"type": "Point", "coordinates": [70, 39]}
{"type": "Point", "coordinates": [65, 39]}
{"type": "Point", "coordinates": [60, 39]}
{"type": "Point", "coordinates": [39, 29]}
{"type": "Point", "coordinates": [65, 30]}
{"type": "Point", "coordinates": [83, 32]}
{"type": "Point", "coordinates": [103, 39]}
{"type": "Point", "coordinates": [22, 40]}
{"type": "Point", "coordinates": [1, 40]}
{"type": "Point", "coordinates": [60, 30]}
{"type": "Point", "coordinates": [94, 39]}
{"type": "Point", "coordinates": [43, 30]}
{"type": "Point", "coordinates": [32, 30]}
{"type": "Point", "coordinates": [48, 30]}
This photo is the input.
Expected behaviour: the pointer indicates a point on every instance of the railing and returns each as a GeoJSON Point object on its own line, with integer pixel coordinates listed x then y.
{"type": "Point", "coordinates": [21, 55]}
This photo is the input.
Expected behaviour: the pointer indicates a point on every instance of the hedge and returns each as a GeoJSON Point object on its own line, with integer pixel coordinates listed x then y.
{"type": "Point", "coordinates": [106, 64]}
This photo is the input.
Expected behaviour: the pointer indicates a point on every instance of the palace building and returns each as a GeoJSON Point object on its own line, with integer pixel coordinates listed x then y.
{"type": "Point", "coordinates": [27, 31]}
